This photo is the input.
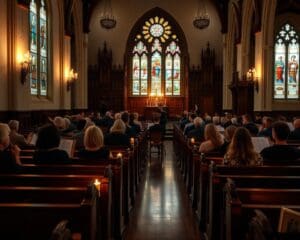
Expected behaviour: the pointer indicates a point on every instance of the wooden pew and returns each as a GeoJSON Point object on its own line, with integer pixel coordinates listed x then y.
{"type": "Point", "coordinates": [115, 172]}
{"type": "Point", "coordinates": [241, 202]}
{"type": "Point", "coordinates": [218, 175]}
{"type": "Point", "coordinates": [32, 212]}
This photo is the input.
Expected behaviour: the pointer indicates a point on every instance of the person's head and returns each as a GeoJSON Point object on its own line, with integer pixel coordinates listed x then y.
{"type": "Point", "coordinates": [229, 132]}
{"type": "Point", "coordinates": [280, 131]}
{"type": "Point", "coordinates": [241, 146]}
{"type": "Point", "coordinates": [234, 121]}
{"type": "Point", "coordinates": [198, 122]}
{"type": "Point", "coordinates": [125, 117]}
{"type": "Point", "coordinates": [118, 127]}
{"type": "Point", "coordinates": [136, 116]}
{"type": "Point", "coordinates": [118, 115]}
{"type": "Point", "coordinates": [59, 123]}
{"type": "Point", "coordinates": [192, 117]}
{"type": "Point", "coordinates": [4, 135]}
{"type": "Point", "coordinates": [297, 123]}
{"type": "Point", "coordinates": [216, 120]}
{"type": "Point", "coordinates": [93, 138]}
{"type": "Point", "coordinates": [246, 118]}
{"type": "Point", "coordinates": [48, 137]}
{"type": "Point", "coordinates": [13, 125]}
{"type": "Point", "coordinates": [211, 133]}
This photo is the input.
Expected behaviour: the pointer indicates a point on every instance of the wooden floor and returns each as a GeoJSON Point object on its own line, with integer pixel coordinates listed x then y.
{"type": "Point", "coordinates": [162, 209]}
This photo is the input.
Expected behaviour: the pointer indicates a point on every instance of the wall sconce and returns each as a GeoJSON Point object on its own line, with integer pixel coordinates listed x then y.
{"type": "Point", "coordinates": [251, 76]}
{"type": "Point", "coordinates": [73, 76]}
{"type": "Point", "coordinates": [25, 61]}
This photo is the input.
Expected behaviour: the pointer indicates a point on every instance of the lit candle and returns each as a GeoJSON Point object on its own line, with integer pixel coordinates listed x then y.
{"type": "Point", "coordinates": [119, 155]}
{"type": "Point", "coordinates": [192, 140]}
{"type": "Point", "coordinates": [97, 184]}
{"type": "Point", "coordinates": [132, 141]}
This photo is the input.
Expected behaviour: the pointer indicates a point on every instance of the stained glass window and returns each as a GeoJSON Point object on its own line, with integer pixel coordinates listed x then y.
{"type": "Point", "coordinates": [172, 79]}
{"type": "Point", "coordinates": [156, 60]}
{"type": "Point", "coordinates": [38, 48]}
{"type": "Point", "coordinates": [139, 70]}
{"type": "Point", "coordinates": [286, 67]}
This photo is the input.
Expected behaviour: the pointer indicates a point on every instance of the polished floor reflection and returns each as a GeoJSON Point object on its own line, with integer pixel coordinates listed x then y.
{"type": "Point", "coordinates": [162, 209]}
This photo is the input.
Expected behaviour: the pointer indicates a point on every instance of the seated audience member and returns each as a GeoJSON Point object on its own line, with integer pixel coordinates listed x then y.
{"type": "Point", "coordinates": [228, 135]}
{"type": "Point", "coordinates": [15, 137]}
{"type": "Point", "coordinates": [198, 131]}
{"type": "Point", "coordinates": [266, 128]}
{"type": "Point", "coordinates": [189, 126]}
{"type": "Point", "coordinates": [134, 124]}
{"type": "Point", "coordinates": [47, 146]}
{"type": "Point", "coordinates": [130, 132]}
{"type": "Point", "coordinates": [280, 151]}
{"type": "Point", "coordinates": [79, 133]}
{"type": "Point", "coordinates": [213, 139]}
{"type": "Point", "coordinates": [251, 126]}
{"type": "Point", "coordinates": [117, 135]}
{"type": "Point", "coordinates": [295, 134]}
{"type": "Point", "coordinates": [107, 120]}
{"type": "Point", "coordinates": [136, 120]}
{"type": "Point", "coordinates": [184, 119]}
{"type": "Point", "coordinates": [94, 144]}
{"type": "Point", "coordinates": [241, 151]}
{"type": "Point", "coordinates": [156, 125]}
{"type": "Point", "coordinates": [207, 118]}
{"type": "Point", "coordinates": [9, 154]}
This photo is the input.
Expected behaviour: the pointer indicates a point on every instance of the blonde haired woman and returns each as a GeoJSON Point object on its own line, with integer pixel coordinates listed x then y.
{"type": "Point", "coordinates": [213, 139]}
{"type": "Point", "coordinates": [93, 144]}
{"type": "Point", "coordinates": [241, 151]}
{"type": "Point", "coordinates": [117, 135]}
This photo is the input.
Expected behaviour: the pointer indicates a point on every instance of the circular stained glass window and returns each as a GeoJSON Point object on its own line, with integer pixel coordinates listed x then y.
{"type": "Point", "coordinates": [156, 30]}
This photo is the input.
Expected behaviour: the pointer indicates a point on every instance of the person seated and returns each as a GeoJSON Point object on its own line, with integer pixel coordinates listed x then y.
{"type": "Point", "coordinates": [207, 118]}
{"type": "Point", "coordinates": [117, 136]}
{"type": "Point", "coordinates": [228, 135]}
{"type": "Point", "coordinates": [107, 120]}
{"type": "Point", "coordinates": [130, 132]}
{"type": "Point", "coordinates": [15, 137]}
{"type": "Point", "coordinates": [156, 123]}
{"type": "Point", "coordinates": [93, 144]}
{"type": "Point", "coordinates": [184, 119]}
{"type": "Point", "coordinates": [47, 144]}
{"type": "Point", "coordinates": [241, 151]}
{"type": "Point", "coordinates": [163, 119]}
{"type": "Point", "coordinates": [280, 152]}
{"type": "Point", "coordinates": [189, 126]}
{"type": "Point", "coordinates": [198, 132]}
{"type": "Point", "coordinates": [266, 128]}
{"type": "Point", "coordinates": [9, 154]}
{"type": "Point", "coordinates": [213, 139]}
{"type": "Point", "coordinates": [251, 126]}
{"type": "Point", "coordinates": [295, 134]}
{"type": "Point", "coordinates": [134, 123]}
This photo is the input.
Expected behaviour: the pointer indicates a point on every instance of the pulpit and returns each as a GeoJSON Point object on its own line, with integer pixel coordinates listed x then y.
{"type": "Point", "coordinates": [242, 95]}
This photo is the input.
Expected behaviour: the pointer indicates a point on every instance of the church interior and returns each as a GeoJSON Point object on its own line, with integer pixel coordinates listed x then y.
{"type": "Point", "coordinates": [154, 119]}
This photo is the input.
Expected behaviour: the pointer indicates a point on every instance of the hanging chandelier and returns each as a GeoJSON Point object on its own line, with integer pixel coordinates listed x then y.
{"type": "Point", "coordinates": [107, 20]}
{"type": "Point", "coordinates": [202, 19]}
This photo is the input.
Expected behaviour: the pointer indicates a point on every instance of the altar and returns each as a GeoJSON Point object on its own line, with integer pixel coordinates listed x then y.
{"type": "Point", "coordinates": [150, 110]}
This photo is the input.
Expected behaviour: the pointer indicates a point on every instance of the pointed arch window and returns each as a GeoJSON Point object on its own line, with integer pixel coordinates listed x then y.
{"type": "Point", "coordinates": [38, 39]}
{"type": "Point", "coordinates": [286, 63]}
{"type": "Point", "coordinates": [156, 60]}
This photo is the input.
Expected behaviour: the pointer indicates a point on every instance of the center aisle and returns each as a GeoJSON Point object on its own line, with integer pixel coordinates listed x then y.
{"type": "Point", "coordinates": [162, 209]}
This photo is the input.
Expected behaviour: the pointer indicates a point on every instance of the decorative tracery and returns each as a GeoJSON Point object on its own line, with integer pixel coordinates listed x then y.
{"type": "Point", "coordinates": [156, 60]}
